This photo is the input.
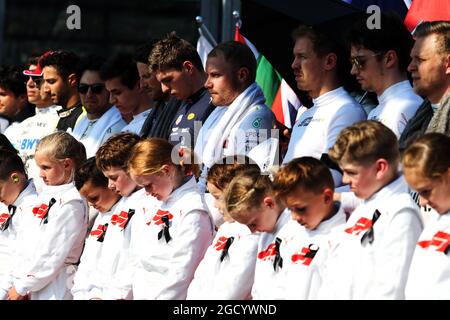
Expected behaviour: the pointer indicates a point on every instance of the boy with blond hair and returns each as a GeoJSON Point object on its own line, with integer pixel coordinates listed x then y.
{"type": "Point", "coordinates": [370, 256]}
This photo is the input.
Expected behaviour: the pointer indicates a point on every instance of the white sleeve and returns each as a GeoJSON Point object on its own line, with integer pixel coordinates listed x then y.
{"type": "Point", "coordinates": [240, 274]}
{"type": "Point", "coordinates": [343, 118]}
{"type": "Point", "coordinates": [193, 238]}
{"type": "Point", "coordinates": [349, 201]}
{"type": "Point", "coordinates": [82, 282]}
{"type": "Point", "coordinates": [393, 256]}
{"type": "Point", "coordinates": [60, 234]}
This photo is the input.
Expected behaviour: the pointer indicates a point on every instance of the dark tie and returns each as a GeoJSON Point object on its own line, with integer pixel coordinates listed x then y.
{"type": "Point", "coordinates": [278, 261]}
{"type": "Point", "coordinates": [165, 230]}
{"type": "Point", "coordinates": [45, 217]}
{"type": "Point", "coordinates": [227, 247]}
{"type": "Point", "coordinates": [369, 235]}
{"type": "Point", "coordinates": [12, 210]}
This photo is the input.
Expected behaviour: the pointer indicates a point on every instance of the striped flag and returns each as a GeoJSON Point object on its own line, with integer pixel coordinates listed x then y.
{"type": "Point", "coordinates": [279, 95]}
{"type": "Point", "coordinates": [203, 46]}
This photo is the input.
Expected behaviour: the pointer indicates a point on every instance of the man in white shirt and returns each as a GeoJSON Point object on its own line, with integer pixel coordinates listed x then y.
{"type": "Point", "coordinates": [101, 120]}
{"type": "Point", "coordinates": [122, 81]}
{"type": "Point", "coordinates": [379, 60]}
{"type": "Point", "coordinates": [317, 60]}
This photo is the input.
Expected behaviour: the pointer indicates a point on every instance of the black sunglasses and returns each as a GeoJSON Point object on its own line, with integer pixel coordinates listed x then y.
{"type": "Point", "coordinates": [37, 80]}
{"type": "Point", "coordinates": [360, 61]}
{"type": "Point", "coordinates": [96, 88]}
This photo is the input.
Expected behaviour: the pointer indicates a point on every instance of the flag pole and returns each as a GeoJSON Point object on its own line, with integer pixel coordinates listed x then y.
{"type": "Point", "coordinates": [202, 27]}
{"type": "Point", "coordinates": [237, 18]}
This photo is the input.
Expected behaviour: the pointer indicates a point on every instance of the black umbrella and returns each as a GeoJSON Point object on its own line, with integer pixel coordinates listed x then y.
{"type": "Point", "coordinates": [268, 25]}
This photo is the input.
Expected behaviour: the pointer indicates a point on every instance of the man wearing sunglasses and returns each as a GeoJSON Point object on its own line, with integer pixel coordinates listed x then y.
{"type": "Point", "coordinates": [318, 68]}
{"type": "Point", "coordinates": [101, 120]}
{"type": "Point", "coordinates": [61, 83]}
{"type": "Point", "coordinates": [379, 59]}
{"type": "Point", "coordinates": [122, 81]}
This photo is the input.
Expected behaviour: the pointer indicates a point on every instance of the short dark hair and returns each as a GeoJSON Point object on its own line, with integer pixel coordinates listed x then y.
{"type": "Point", "coordinates": [238, 55]}
{"type": "Point", "coordinates": [323, 45]}
{"type": "Point", "coordinates": [5, 144]}
{"type": "Point", "coordinates": [440, 28]}
{"type": "Point", "coordinates": [65, 62]}
{"type": "Point", "coordinates": [12, 79]}
{"type": "Point", "coordinates": [10, 162]}
{"type": "Point", "coordinates": [142, 52]}
{"type": "Point", "coordinates": [89, 172]}
{"type": "Point", "coordinates": [121, 65]}
{"type": "Point", "coordinates": [393, 35]}
{"type": "Point", "coordinates": [92, 62]}
{"type": "Point", "coordinates": [171, 52]}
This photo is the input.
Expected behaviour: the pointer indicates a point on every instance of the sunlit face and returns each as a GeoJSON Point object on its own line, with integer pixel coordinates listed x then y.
{"type": "Point", "coordinates": [96, 104]}
{"type": "Point", "coordinates": [125, 99]}
{"type": "Point", "coordinates": [56, 86]}
{"type": "Point", "coordinates": [119, 181]}
{"type": "Point", "coordinates": [432, 192]}
{"type": "Point", "coordinates": [10, 190]}
{"type": "Point", "coordinates": [221, 82]}
{"type": "Point", "coordinates": [148, 81]}
{"type": "Point", "coordinates": [309, 209]}
{"type": "Point", "coordinates": [175, 82]}
{"type": "Point", "coordinates": [262, 219]}
{"type": "Point", "coordinates": [34, 88]}
{"type": "Point", "coordinates": [158, 185]}
{"type": "Point", "coordinates": [10, 104]}
{"type": "Point", "coordinates": [54, 172]}
{"type": "Point", "coordinates": [100, 198]}
{"type": "Point", "coordinates": [368, 69]}
{"type": "Point", "coordinates": [361, 179]}
{"type": "Point", "coordinates": [307, 66]}
{"type": "Point", "coordinates": [218, 200]}
{"type": "Point", "coordinates": [428, 68]}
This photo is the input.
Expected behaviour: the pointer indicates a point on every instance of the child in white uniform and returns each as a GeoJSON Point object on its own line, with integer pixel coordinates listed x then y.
{"type": "Point", "coordinates": [55, 231]}
{"type": "Point", "coordinates": [227, 270]}
{"type": "Point", "coordinates": [17, 196]}
{"type": "Point", "coordinates": [114, 281]}
{"type": "Point", "coordinates": [305, 185]}
{"type": "Point", "coordinates": [250, 200]}
{"type": "Point", "coordinates": [370, 256]}
{"type": "Point", "coordinates": [170, 239]}
{"type": "Point", "coordinates": [93, 185]}
{"type": "Point", "coordinates": [426, 164]}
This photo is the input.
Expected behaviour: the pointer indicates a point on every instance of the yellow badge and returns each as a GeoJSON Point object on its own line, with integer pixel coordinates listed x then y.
{"type": "Point", "coordinates": [191, 116]}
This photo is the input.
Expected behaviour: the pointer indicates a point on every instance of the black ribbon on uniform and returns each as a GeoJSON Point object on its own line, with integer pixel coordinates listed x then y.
{"type": "Point", "coordinates": [12, 210]}
{"type": "Point", "coordinates": [369, 235]}
{"type": "Point", "coordinates": [45, 217]}
{"type": "Point", "coordinates": [102, 236]}
{"type": "Point", "coordinates": [278, 261]}
{"type": "Point", "coordinates": [165, 230]}
{"type": "Point", "coordinates": [226, 248]}
{"type": "Point", "coordinates": [313, 248]}
{"type": "Point", "coordinates": [129, 215]}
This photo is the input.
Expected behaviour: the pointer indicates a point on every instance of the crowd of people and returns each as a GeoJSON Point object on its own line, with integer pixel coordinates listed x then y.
{"type": "Point", "coordinates": [150, 176]}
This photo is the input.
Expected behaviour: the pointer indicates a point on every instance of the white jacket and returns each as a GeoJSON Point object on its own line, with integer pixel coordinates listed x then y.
{"type": "Point", "coordinates": [397, 104]}
{"type": "Point", "coordinates": [10, 235]}
{"type": "Point", "coordinates": [226, 273]}
{"type": "Point", "coordinates": [429, 275]}
{"type": "Point", "coordinates": [363, 269]}
{"type": "Point", "coordinates": [114, 280]}
{"type": "Point", "coordinates": [52, 244]}
{"type": "Point", "coordinates": [307, 255]}
{"type": "Point", "coordinates": [83, 288]}
{"type": "Point", "coordinates": [168, 242]}
{"type": "Point", "coordinates": [270, 282]}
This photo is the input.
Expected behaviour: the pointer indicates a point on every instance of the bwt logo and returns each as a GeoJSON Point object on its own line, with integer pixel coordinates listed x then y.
{"type": "Point", "coordinates": [74, 20]}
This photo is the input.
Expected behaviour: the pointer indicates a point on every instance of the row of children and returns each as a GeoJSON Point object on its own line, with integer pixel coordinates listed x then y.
{"type": "Point", "coordinates": [284, 237]}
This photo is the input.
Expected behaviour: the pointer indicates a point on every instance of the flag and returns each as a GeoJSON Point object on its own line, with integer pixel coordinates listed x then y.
{"type": "Point", "coordinates": [429, 10]}
{"type": "Point", "coordinates": [203, 47]}
{"type": "Point", "coordinates": [279, 95]}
